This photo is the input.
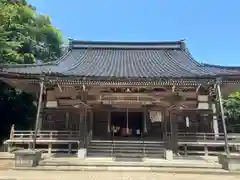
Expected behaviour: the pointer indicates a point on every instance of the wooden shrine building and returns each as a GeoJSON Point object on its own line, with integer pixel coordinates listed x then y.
{"type": "Point", "coordinates": [126, 91]}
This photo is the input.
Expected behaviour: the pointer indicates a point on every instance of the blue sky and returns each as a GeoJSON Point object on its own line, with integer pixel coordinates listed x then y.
{"type": "Point", "coordinates": [211, 27]}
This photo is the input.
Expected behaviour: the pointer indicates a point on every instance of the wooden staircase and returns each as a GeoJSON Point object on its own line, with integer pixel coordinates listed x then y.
{"type": "Point", "coordinates": [127, 150]}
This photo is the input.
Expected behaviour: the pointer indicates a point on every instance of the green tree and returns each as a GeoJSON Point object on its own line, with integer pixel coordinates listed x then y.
{"type": "Point", "coordinates": [232, 108]}
{"type": "Point", "coordinates": [26, 35]}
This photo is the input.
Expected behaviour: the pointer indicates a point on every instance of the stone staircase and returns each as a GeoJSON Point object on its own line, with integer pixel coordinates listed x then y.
{"type": "Point", "coordinates": [127, 150]}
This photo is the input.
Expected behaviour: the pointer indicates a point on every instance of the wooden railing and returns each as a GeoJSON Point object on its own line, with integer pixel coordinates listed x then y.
{"type": "Point", "coordinates": [206, 143]}
{"type": "Point", "coordinates": [50, 138]}
{"type": "Point", "coordinates": [47, 135]}
{"type": "Point", "coordinates": [206, 136]}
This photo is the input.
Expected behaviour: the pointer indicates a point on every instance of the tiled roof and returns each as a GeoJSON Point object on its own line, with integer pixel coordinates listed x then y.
{"type": "Point", "coordinates": [126, 60]}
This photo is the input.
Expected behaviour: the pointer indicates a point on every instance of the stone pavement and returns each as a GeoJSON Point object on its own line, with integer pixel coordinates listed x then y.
{"type": "Point", "coordinates": [201, 162]}
{"type": "Point", "coordinates": [88, 175]}
{"type": "Point", "coordinates": [6, 164]}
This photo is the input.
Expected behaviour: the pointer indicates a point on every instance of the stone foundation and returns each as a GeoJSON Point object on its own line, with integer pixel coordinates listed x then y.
{"type": "Point", "coordinates": [27, 158]}
{"type": "Point", "coordinates": [231, 162]}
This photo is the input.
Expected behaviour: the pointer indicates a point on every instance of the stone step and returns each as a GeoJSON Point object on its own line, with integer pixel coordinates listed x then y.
{"type": "Point", "coordinates": [174, 169]}
{"type": "Point", "coordinates": [146, 162]}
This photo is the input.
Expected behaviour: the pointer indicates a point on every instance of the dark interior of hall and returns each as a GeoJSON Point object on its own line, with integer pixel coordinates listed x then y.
{"type": "Point", "coordinates": [127, 124]}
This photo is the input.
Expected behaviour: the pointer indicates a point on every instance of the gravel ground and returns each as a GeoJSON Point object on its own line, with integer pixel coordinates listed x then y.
{"type": "Point", "coordinates": [88, 175]}
{"type": "Point", "coordinates": [6, 164]}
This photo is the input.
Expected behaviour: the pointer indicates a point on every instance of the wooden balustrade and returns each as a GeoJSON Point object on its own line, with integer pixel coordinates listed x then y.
{"type": "Point", "coordinates": [47, 135]}
{"type": "Point", "coordinates": [48, 138]}
{"type": "Point", "coordinates": [185, 140]}
{"type": "Point", "coordinates": [205, 136]}
{"type": "Point", "coordinates": [205, 141]}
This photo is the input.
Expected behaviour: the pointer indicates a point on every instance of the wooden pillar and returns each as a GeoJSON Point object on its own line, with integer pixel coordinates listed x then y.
{"type": "Point", "coordinates": [205, 150]}
{"type": "Point", "coordinates": [80, 129]}
{"type": "Point", "coordinates": [164, 129]}
{"type": "Point", "coordinates": [215, 126]}
{"type": "Point", "coordinates": [223, 117]}
{"type": "Point", "coordinates": [41, 115]}
{"type": "Point", "coordinates": [67, 126]}
{"type": "Point", "coordinates": [109, 124]}
{"type": "Point", "coordinates": [38, 113]}
{"type": "Point", "coordinates": [185, 150]}
{"type": "Point", "coordinates": [144, 123]}
{"type": "Point", "coordinates": [91, 119]}
{"type": "Point", "coordinates": [166, 125]}
{"type": "Point", "coordinates": [85, 127]}
{"type": "Point", "coordinates": [174, 132]}
{"type": "Point", "coordinates": [145, 120]}
{"type": "Point", "coordinates": [84, 100]}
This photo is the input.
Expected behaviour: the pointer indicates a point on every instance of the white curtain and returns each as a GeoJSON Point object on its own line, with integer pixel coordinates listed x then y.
{"type": "Point", "coordinates": [187, 121]}
{"type": "Point", "coordinates": [155, 116]}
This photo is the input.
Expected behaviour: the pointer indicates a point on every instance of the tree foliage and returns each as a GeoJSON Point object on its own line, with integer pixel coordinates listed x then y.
{"type": "Point", "coordinates": [26, 35]}
{"type": "Point", "coordinates": [232, 108]}
{"type": "Point", "coordinates": [16, 108]}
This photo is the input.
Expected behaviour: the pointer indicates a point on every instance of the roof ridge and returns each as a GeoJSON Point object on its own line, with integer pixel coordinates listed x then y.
{"type": "Point", "coordinates": [127, 45]}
